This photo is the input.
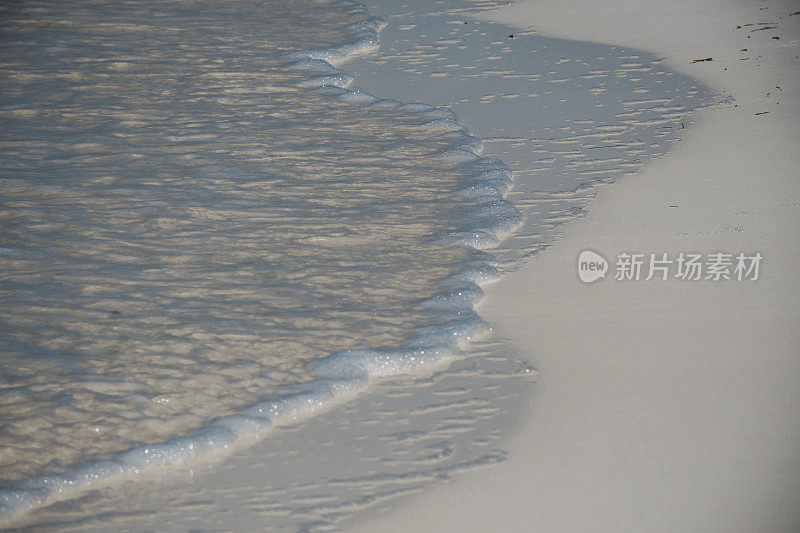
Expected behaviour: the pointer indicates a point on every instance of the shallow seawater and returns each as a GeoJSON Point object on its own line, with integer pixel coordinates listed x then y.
{"type": "Point", "coordinates": [187, 227]}
{"type": "Point", "coordinates": [564, 115]}
{"type": "Point", "coordinates": [397, 439]}
{"type": "Point", "coordinates": [202, 232]}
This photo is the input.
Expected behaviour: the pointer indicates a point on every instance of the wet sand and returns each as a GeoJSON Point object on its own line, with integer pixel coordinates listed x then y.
{"type": "Point", "coordinates": [661, 405]}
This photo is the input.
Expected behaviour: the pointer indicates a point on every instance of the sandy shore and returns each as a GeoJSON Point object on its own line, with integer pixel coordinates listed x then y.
{"type": "Point", "coordinates": [658, 405]}
{"type": "Point", "coordinates": [661, 405]}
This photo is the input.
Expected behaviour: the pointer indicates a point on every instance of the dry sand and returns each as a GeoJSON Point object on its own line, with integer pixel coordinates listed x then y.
{"type": "Point", "coordinates": [661, 405]}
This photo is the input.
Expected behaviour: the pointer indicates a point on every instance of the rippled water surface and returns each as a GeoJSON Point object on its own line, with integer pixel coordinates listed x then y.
{"type": "Point", "coordinates": [183, 227]}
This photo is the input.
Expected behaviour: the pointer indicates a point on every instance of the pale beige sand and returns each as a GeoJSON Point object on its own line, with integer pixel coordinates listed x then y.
{"type": "Point", "coordinates": [660, 406]}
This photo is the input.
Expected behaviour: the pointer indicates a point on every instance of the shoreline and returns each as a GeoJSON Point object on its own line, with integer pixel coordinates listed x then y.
{"type": "Point", "coordinates": [659, 405]}
{"type": "Point", "coordinates": [601, 353]}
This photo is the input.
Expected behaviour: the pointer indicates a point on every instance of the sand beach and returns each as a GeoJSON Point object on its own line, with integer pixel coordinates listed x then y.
{"type": "Point", "coordinates": [463, 266]}
{"type": "Point", "coordinates": [660, 406]}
